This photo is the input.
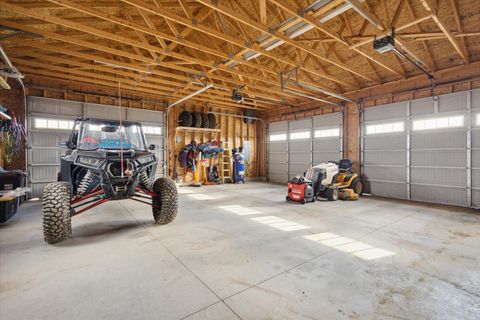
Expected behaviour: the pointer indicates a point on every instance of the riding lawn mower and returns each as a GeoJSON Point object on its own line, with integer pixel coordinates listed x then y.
{"type": "Point", "coordinates": [332, 180]}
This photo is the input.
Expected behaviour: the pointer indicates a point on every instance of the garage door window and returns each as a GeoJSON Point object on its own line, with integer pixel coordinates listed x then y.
{"type": "Point", "coordinates": [325, 133]}
{"type": "Point", "coordinates": [300, 135]}
{"type": "Point", "coordinates": [278, 137]}
{"type": "Point", "coordinates": [152, 130]}
{"type": "Point", "coordinates": [385, 128]}
{"type": "Point", "coordinates": [41, 123]}
{"type": "Point", "coordinates": [438, 123]}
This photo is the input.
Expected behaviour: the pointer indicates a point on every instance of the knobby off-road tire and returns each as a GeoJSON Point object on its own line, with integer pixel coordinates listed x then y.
{"type": "Point", "coordinates": [165, 205]}
{"type": "Point", "coordinates": [196, 119]}
{"type": "Point", "coordinates": [56, 212]}
{"type": "Point", "coordinates": [185, 119]}
{"type": "Point", "coordinates": [205, 121]}
{"type": "Point", "coordinates": [212, 121]}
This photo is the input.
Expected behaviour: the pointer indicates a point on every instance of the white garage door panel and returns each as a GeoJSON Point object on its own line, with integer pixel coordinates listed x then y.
{"type": "Point", "coordinates": [476, 137]}
{"type": "Point", "coordinates": [327, 120]}
{"type": "Point", "coordinates": [439, 158]}
{"type": "Point", "coordinates": [301, 124]}
{"type": "Point", "coordinates": [294, 157]}
{"type": "Point", "coordinates": [379, 142]}
{"type": "Point", "coordinates": [279, 167]}
{"type": "Point", "coordinates": [99, 111]}
{"type": "Point", "coordinates": [391, 111]}
{"type": "Point", "coordinates": [387, 189]}
{"type": "Point", "coordinates": [434, 162]}
{"type": "Point", "coordinates": [300, 146]}
{"type": "Point", "coordinates": [476, 178]}
{"type": "Point", "coordinates": [476, 197]}
{"type": "Point", "coordinates": [319, 157]}
{"type": "Point", "coordinates": [326, 145]}
{"type": "Point", "coordinates": [300, 157]}
{"type": "Point", "coordinates": [278, 126]}
{"type": "Point", "coordinates": [145, 116]}
{"type": "Point", "coordinates": [278, 157]}
{"type": "Point", "coordinates": [452, 102]}
{"type": "Point", "coordinates": [54, 107]}
{"type": "Point", "coordinates": [446, 195]}
{"type": "Point", "coordinates": [277, 147]}
{"type": "Point", "coordinates": [387, 173]}
{"type": "Point", "coordinates": [45, 156]}
{"type": "Point", "coordinates": [439, 139]}
{"type": "Point", "coordinates": [439, 176]}
{"type": "Point", "coordinates": [297, 169]}
{"type": "Point", "coordinates": [44, 145]}
{"type": "Point", "coordinates": [385, 158]}
{"type": "Point", "coordinates": [44, 173]}
{"type": "Point", "coordinates": [278, 177]}
{"type": "Point", "coordinates": [475, 99]}
{"type": "Point", "coordinates": [422, 106]}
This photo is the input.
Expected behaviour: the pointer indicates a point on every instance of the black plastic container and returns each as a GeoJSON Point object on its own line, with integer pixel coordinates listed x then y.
{"type": "Point", "coordinates": [8, 208]}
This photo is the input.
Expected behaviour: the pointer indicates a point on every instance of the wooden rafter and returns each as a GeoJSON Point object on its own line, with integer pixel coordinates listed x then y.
{"type": "Point", "coordinates": [265, 29]}
{"type": "Point", "coordinates": [432, 9]}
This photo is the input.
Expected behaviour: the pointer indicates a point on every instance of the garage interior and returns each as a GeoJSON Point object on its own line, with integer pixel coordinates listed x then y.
{"type": "Point", "coordinates": [241, 103]}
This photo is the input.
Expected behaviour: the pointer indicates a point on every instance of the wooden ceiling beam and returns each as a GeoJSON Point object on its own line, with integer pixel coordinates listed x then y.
{"type": "Point", "coordinates": [458, 22]}
{"type": "Point", "coordinates": [214, 33]}
{"type": "Point", "coordinates": [262, 4]}
{"type": "Point", "coordinates": [367, 14]}
{"type": "Point", "coordinates": [101, 4]}
{"type": "Point", "coordinates": [400, 28]}
{"type": "Point", "coordinates": [121, 40]}
{"type": "Point", "coordinates": [61, 49]}
{"type": "Point", "coordinates": [336, 36]}
{"type": "Point", "coordinates": [167, 94]}
{"type": "Point", "coordinates": [433, 10]}
{"type": "Point", "coordinates": [138, 27]}
{"type": "Point", "coordinates": [265, 29]}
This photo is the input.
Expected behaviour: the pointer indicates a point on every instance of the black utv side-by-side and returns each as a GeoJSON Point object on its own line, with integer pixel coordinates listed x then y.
{"type": "Point", "coordinates": [105, 160]}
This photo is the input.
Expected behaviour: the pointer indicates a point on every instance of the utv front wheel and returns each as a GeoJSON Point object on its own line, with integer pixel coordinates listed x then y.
{"type": "Point", "coordinates": [165, 203]}
{"type": "Point", "coordinates": [56, 212]}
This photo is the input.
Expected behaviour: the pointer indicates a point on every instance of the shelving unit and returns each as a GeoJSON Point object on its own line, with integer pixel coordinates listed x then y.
{"type": "Point", "coordinates": [197, 129]}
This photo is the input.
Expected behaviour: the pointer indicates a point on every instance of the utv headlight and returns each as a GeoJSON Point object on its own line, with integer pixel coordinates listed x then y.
{"type": "Point", "coordinates": [146, 159]}
{"type": "Point", "coordinates": [92, 162]}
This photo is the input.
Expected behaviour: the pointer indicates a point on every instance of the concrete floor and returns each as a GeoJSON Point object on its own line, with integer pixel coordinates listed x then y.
{"type": "Point", "coordinates": [241, 251]}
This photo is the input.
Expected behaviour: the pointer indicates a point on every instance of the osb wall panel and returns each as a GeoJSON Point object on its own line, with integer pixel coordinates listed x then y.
{"type": "Point", "coordinates": [234, 131]}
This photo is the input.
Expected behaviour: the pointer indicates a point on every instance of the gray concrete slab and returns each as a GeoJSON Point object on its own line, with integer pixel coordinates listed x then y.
{"type": "Point", "coordinates": [242, 252]}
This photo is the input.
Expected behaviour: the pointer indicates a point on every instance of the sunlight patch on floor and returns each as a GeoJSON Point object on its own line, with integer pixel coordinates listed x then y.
{"type": "Point", "coordinates": [358, 249]}
{"type": "Point", "coordinates": [240, 210]}
{"type": "Point", "coordinates": [185, 191]}
{"type": "Point", "coordinates": [201, 196]}
{"type": "Point", "coordinates": [280, 224]}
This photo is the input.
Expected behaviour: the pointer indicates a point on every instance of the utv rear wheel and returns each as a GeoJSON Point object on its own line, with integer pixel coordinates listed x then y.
{"type": "Point", "coordinates": [333, 194]}
{"type": "Point", "coordinates": [165, 204]}
{"type": "Point", "coordinates": [56, 212]}
{"type": "Point", "coordinates": [357, 186]}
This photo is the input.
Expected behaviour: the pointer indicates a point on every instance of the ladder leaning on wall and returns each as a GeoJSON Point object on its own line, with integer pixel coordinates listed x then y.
{"type": "Point", "coordinates": [226, 161]}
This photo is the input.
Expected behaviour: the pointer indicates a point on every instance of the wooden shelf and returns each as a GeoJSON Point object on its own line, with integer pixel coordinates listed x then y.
{"type": "Point", "coordinates": [197, 129]}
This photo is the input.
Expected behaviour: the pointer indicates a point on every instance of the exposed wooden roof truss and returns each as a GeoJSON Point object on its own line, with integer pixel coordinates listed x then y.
{"type": "Point", "coordinates": [169, 49]}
